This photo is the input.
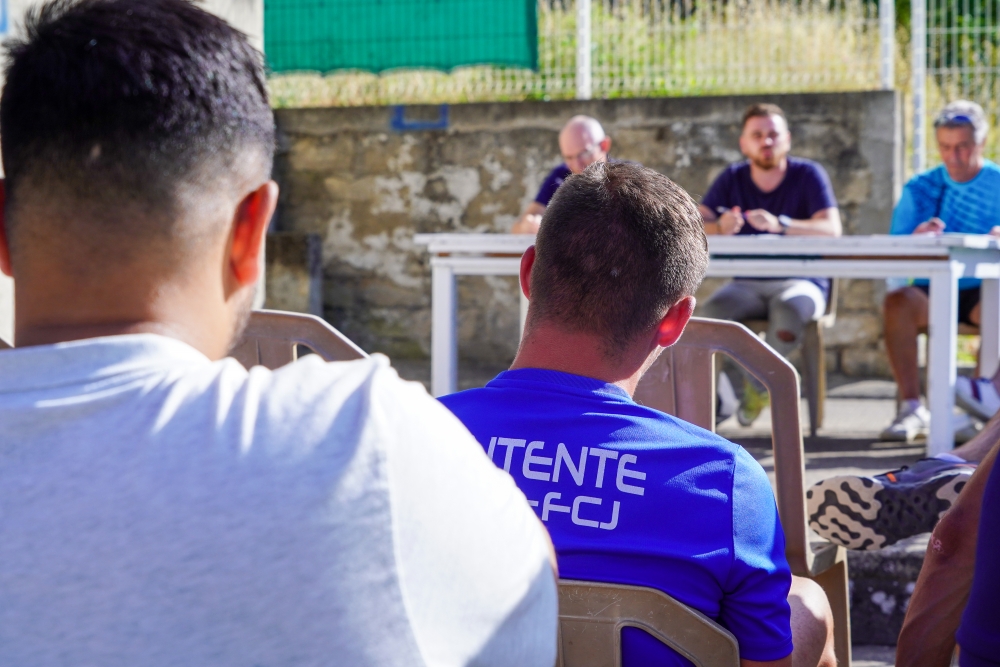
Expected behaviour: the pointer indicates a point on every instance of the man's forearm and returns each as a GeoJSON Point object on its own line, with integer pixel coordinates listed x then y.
{"type": "Point", "coordinates": [827, 225]}
{"type": "Point", "coordinates": [935, 609]}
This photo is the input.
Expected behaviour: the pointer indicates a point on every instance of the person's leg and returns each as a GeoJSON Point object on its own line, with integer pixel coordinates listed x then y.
{"type": "Point", "coordinates": [935, 609]}
{"type": "Point", "coordinates": [793, 304]}
{"type": "Point", "coordinates": [978, 396]}
{"type": "Point", "coordinates": [812, 625]}
{"type": "Point", "coordinates": [734, 301]}
{"type": "Point", "coordinates": [904, 314]}
{"type": "Point", "coordinates": [867, 513]}
{"type": "Point", "coordinates": [975, 450]}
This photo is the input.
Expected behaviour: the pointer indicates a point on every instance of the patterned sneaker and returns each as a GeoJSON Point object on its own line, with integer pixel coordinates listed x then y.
{"type": "Point", "coordinates": [909, 425]}
{"type": "Point", "coordinates": [977, 396]}
{"type": "Point", "coordinates": [754, 400]}
{"type": "Point", "coordinates": [868, 513]}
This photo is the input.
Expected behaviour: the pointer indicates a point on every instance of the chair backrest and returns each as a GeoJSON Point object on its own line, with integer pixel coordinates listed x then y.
{"type": "Point", "coordinates": [682, 383]}
{"type": "Point", "coordinates": [271, 339]}
{"type": "Point", "coordinates": [592, 615]}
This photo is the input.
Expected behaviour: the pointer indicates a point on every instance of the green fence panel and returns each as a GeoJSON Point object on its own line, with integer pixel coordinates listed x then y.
{"type": "Point", "coordinates": [376, 35]}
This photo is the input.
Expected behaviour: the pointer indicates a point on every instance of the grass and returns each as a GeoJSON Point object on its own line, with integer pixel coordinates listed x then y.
{"type": "Point", "coordinates": [642, 49]}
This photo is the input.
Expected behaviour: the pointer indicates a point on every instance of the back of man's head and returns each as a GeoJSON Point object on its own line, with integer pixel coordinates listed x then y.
{"type": "Point", "coordinates": [619, 244]}
{"type": "Point", "coordinates": [123, 113]}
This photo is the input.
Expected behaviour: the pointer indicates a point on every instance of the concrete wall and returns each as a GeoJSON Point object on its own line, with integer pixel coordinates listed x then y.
{"type": "Point", "coordinates": [366, 188]}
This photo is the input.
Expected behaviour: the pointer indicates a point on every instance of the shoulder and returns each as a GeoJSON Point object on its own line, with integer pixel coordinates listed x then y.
{"type": "Point", "coordinates": [665, 428]}
{"type": "Point", "coordinates": [723, 184]}
{"type": "Point", "coordinates": [991, 171]}
{"type": "Point", "coordinates": [559, 173]}
{"type": "Point", "coordinates": [932, 178]}
{"type": "Point", "coordinates": [807, 168]}
{"type": "Point", "coordinates": [733, 171]}
{"type": "Point", "coordinates": [312, 403]}
{"type": "Point", "coordinates": [463, 401]}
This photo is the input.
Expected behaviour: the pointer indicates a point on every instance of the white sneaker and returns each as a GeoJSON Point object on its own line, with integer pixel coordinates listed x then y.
{"type": "Point", "coordinates": [977, 396]}
{"type": "Point", "coordinates": [908, 425]}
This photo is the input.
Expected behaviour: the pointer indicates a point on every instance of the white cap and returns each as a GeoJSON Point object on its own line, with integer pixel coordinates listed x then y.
{"type": "Point", "coordinates": [964, 113]}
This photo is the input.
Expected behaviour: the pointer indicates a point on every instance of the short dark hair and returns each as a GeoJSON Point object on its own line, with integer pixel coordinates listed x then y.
{"type": "Point", "coordinates": [762, 111]}
{"type": "Point", "coordinates": [122, 101]}
{"type": "Point", "coordinates": [618, 245]}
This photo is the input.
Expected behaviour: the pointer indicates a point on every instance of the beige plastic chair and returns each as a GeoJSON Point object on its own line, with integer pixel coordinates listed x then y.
{"type": "Point", "coordinates": [272, 338]}
{"type": "Point", "coordinates": [592, 615]}
{"type": "Point", "coordinates": [813, 357]}
{"type": "Point", "coordinates": [682, 383]}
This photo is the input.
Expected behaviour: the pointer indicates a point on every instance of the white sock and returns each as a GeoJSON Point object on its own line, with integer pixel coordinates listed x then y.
{"type": "Point", "coordinates": [910, 404]}
{"type": "Point", "coordinates": [950, 458]}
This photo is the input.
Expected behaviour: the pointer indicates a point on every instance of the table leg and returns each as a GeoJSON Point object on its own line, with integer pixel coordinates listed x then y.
{"type": "Point", "coordinates": [444, 336]}
{"type": "Point", "coordinates": [989, 329]}
{"type": "Point", "coordinates": [941, 365]}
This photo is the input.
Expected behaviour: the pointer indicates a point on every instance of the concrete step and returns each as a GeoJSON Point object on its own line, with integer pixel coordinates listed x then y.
{"type": "Point", "coordinates": [881, 584]}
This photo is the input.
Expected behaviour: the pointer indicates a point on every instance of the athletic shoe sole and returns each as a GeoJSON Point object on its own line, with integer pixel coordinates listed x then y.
{"type": "Point", "coordinates": [863, 514]}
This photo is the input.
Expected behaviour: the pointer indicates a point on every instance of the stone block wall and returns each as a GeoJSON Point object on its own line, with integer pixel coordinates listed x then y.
{"type": "Point", "coordinates": [365, 182]}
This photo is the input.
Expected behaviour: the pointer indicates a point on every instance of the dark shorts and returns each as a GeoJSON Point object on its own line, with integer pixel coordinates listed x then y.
{"type": "Point", "coordinates": [967, 300]}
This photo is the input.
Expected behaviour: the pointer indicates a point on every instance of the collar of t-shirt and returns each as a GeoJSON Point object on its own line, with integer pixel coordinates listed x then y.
{"type": "Point", "coordinates": [93, 360]}
{"type": "Point", "coordinates": [549, 380]}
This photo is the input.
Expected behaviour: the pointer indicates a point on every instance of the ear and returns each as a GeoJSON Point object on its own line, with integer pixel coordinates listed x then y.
{"type": "Point", "coordinates": [605, 144]}
{"type": "Point", "coordinates": [5, 266]}
{"type": "Point", "coordinates": [527, 261]}
{"type": "Point", "coordinates": [249, 233]}
{"type": "Point", "coordinates": [672, 325]}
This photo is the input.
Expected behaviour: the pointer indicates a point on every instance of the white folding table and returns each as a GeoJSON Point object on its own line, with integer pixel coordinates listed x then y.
{"type": "Point", "coordinates": [942, 259]}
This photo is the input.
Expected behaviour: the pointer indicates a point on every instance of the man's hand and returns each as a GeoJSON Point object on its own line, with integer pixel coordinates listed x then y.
{"type": "Point", "coordinates": [763, 221]}
{"type": "Point", "coordinates": [731, 222]}
{"type": "Point", "coordinates": [528, 224]}
{"type": "Point", "coordinates": [995, 231]}
{"type": "Point", "coordinates": [932, 226]}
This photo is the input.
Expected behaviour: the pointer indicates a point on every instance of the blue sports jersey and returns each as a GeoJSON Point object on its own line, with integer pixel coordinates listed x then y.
{"type": "Point", "coordinates": [552, 183]}
{"type": "Point", "coordinates": [972, 207]}
{"type": "Point", "coordinates": [631, 495]}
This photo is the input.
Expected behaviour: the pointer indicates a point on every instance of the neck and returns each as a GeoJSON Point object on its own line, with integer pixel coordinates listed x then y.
{"type": "Point", "coordinates": [52, 311]}
{"type": "Point", "coordinates": [968, 173]}
{"type": "Point", "coordinates": [769, 179]}
{"type": "Point", "coordinates": [552, 348]}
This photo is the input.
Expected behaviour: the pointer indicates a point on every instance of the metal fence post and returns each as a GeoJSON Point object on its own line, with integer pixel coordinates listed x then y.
{"type": "Point", "coordinates": [583, 71]}
{"type": "Point", "coordinates": [918, 81]}
{"type": "Point", "coordinates": [887, 43]}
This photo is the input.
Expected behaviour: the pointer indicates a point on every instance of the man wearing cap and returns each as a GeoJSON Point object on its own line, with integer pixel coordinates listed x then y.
{"type": "Point", "coordinates": [961, 195]}
{"type": "Point", "coordinates": [582, 142]}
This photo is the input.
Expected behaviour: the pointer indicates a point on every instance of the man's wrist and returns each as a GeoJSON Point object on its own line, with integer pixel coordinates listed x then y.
{"type": "Point", "coordinates": [784, 223]}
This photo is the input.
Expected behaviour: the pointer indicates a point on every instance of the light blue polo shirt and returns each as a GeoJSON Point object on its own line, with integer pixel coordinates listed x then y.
{"type": "Point", "coordinates": [972, 207]}
{"type": "Point", "coordinates": [631, 495]}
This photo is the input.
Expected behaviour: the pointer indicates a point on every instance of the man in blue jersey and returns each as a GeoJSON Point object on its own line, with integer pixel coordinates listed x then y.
{"type": "Point", "coordinates": [582, 142]}
{"type": "Point", "coordinates": [770, 193]}
{"type": "Point", "coordinates": [629, 494]}
{"type": "Point", "coordinates": [960, 195]}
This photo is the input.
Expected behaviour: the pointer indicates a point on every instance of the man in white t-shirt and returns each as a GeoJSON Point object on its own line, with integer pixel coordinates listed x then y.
{"type": "Point", "coordinates": [159, 505]}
